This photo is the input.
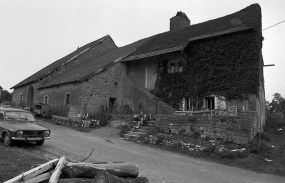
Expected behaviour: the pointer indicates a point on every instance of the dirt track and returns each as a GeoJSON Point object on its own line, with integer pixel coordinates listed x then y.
{"type": "Point", "coordinates": [157, 165]}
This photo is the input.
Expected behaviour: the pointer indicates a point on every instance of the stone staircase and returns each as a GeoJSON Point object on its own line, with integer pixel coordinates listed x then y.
{"type": "Point", "coordinates": [135, 134]}
{"type": "Point", "coordinates": [152, 97]}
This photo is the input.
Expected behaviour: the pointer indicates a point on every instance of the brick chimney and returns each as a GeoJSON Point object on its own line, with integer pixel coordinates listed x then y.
{"type": "Point", "coordinates": [179, 21]}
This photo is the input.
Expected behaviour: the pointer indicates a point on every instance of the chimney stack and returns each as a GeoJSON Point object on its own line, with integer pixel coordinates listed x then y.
{"type": "Point", "coordinates": [179, 21]}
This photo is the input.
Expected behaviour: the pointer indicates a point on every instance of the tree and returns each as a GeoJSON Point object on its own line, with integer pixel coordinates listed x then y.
{"type": "Point", "coordinates": [5, 96]}
{"type": "Point", "coordinates": [277, 105]}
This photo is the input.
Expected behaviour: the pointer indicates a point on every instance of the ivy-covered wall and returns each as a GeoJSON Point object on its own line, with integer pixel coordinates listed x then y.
{"type": "Point", "coordinates": [226, 66]}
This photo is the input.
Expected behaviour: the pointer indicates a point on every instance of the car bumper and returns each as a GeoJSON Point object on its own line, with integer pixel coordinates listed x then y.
{"type": "Point", "coordinates": [30, 138]}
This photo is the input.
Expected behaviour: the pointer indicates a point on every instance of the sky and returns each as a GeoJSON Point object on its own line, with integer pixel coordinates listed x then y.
{"type": "Point", "coordinates": [35, 33]}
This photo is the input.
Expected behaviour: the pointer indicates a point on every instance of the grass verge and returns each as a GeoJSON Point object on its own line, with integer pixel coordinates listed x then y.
{"type": "Point", "coordinates": [15, 160]}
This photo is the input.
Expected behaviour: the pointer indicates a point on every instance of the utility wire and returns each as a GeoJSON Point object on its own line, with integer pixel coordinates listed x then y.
{"type": "Point", "coordinates": [273, 25]}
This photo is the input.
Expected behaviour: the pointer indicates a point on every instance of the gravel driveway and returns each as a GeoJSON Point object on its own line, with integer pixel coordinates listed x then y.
{"type": "Point", "coordinates": [157, 165]}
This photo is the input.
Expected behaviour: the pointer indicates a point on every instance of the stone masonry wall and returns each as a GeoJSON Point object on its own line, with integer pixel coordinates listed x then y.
{"type": "Point", "coordinates": [238, 128]}
{"type": "Point", "coordinates": [99, 89]}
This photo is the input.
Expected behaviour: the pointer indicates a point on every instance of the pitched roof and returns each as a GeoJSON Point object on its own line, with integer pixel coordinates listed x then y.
{"type": "Point", "coordinates": [94, 65]}
{"type": "Point", "coordinates": [249, 17]}
{"type": "Point", "coordinates": [84, 63]}
{"type": "Point", "coordinates": [66, 59]}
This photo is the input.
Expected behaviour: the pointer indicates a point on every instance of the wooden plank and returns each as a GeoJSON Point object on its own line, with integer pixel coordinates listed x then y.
{"type": "Point", "coordinates": [39, 178]}
{"type": "Point", "coordinates": [57, 171]}
{"type": "Point", "coordinates": [33, 172]}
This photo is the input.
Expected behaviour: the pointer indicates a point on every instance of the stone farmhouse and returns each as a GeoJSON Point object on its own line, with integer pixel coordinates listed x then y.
{"type": "Point", "coordinates": [210, 66]}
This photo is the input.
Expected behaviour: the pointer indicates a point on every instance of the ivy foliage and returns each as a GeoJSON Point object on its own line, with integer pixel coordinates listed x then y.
{"type": "Point", "coordinates": [226, 66]}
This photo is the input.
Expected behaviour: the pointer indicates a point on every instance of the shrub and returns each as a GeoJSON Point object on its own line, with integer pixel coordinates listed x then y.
{"type": "Point", "coordinates": [263, 149]}
{"type": "Point", "coordinates": [102, 115]}
{"type": "Point", "coordinates": [210, 149]}
{"type": "Point", "coordinates": [196, 135]}
{"type": "Point", "coordinates": [263, 136]}
{"type": "Point", "coordinates": [273, 123]}
{"type": "Point", "coordinates": [159, 140]}
{"type": "Point", "coordinates": [123, 130]}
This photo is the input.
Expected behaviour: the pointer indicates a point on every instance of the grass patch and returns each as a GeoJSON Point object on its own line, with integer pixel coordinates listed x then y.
{"type": "Point", "coordinates": [14, 161]}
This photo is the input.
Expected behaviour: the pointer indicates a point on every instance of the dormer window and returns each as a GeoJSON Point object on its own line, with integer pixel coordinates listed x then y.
{"type": "Point", "coordinates": [175, 66]}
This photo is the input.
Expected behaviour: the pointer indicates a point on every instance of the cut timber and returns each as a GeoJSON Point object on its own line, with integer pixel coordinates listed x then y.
{"type": "Point", "coordinates": [89, 170]}
{"type": "Point", "coordinates": [105, 177]}
{"type": "Point", "coordinates": [57, 171]}
{"type": "Point", "coordinates": [75, 180]}
{"type": "Point", "coordinates": [39, 178]}
{"type": "Point", "coordinates": [34, 172]}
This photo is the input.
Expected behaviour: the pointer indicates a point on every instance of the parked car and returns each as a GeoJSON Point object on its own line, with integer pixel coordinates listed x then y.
{"type": "Point", "coordinates": [41, 109]}
{"type": "Point", "coordinates": [20, 125]}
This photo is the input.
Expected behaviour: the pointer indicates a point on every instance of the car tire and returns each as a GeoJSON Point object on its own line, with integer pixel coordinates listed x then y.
{"type": "Point", "coordinates": [40, 143]}
{"type": "Point", "coordinates": [7, 140]}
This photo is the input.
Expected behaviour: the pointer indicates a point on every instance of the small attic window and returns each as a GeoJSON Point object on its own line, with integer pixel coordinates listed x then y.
{"type": "Point", "coordinates": [174, 67]}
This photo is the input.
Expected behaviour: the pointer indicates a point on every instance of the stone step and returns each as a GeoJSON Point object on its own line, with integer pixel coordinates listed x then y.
{"type": "Point", "coordinates": [131, 136]}
{"type": "Point", "coordinates": [142, 130]}
{"type": "Point", "coordinates": [139, 133]}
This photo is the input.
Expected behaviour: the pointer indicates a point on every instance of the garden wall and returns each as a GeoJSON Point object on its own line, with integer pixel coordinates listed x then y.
{"type": "Point", "coordinates": [239, 129]}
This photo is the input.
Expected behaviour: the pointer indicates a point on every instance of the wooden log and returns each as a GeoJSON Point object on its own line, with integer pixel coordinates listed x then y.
{"type": "Point", "coordinates": [75, 180]}
{"type": "Point", "coordinates": [105, 177]}
{"type": "Point", "coordinates": [89, 170]}
{"type": "Point", "coordinates": [34, 172]}
{"type": "Point", "coordinates": [57, 171]}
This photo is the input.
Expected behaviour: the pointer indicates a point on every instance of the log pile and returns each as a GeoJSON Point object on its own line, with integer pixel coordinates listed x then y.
{"type": "Point", "coordinates": [61, 171]}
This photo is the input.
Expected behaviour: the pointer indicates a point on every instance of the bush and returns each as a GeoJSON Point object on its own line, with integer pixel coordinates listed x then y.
{"type": "Point", "coordinates": [273, 123]}
{"type": "Point", "coordinates": [123, 130]}
{"type": "Point", "coordinates": [264, 136]}
{"type": "Point", "coordinates": [102, 115]}
{"type": "Point", "coordinates": [159, 140]}
{"type": "Point", "coordinates": [196, 135]}
{"type": "Point", "coordinates": [210, 149]}
{"type": "Point", "coordinates": [263, 149]}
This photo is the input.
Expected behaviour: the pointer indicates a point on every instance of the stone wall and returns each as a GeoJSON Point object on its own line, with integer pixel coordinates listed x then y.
{"type": "Point", "coordinates": [99, 89]}
{"type": "Point", "coordinates": [238, 128]}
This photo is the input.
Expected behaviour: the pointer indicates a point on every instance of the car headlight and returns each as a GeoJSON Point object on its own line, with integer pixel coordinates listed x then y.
{"type": "Point", "coordinates": [19, 133]}
{"type": "Point", "coordinates": [46, 133]}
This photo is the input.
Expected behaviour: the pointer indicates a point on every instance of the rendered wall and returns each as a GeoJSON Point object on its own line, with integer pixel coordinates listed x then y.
{"type": "Point", "coordinates": [56, 96]}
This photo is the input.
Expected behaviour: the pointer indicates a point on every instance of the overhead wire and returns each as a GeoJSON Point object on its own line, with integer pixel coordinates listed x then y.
{"type": "Point", "coordinates": [273, 25]}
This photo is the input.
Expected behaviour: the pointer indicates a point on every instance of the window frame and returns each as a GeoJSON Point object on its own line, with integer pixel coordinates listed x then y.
{"type": "Point", "coordinates": [67, 99]}
{"type": "Point", "coordinates": [46, 99]}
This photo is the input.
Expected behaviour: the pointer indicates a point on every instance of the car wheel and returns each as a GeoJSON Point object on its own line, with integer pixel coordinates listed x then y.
{"type": "Point", "coordinates": [39, 143]}
{"type": "Point", "coordinates": [7, 140]}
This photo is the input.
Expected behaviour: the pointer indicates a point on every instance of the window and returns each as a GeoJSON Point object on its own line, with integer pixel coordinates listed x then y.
{"type": "Point", "coordinates": [175, 67]}
{"type": "Point", "coordinates": [46, 99]}
{"type": "Point", "coordinates": [112, 102]}
{"type": "Point", "coordinates": [67, 98]}
{"type": "Point", "coordinates": [1, 116]}
{"type": "Point", "coordinates": [210, 103]}
{"type": "Point", "coordinates": [20, 96]}
{"type": "Point", "coordinates": [172, 67]}
{"type": "Point", "coordinates": [186, 104]}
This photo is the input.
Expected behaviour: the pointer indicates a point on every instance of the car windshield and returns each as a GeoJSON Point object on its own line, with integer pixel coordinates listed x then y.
{"type": "Point", "coordinates": [19, 115]}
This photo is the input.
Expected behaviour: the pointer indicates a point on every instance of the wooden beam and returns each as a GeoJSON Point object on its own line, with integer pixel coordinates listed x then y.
{"type": "Point", "coordinates": [39, 178]}
{"type": "Point", "coordinates": [57, 171]}
{"type": "Point", "coordinates": [34, 172]}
